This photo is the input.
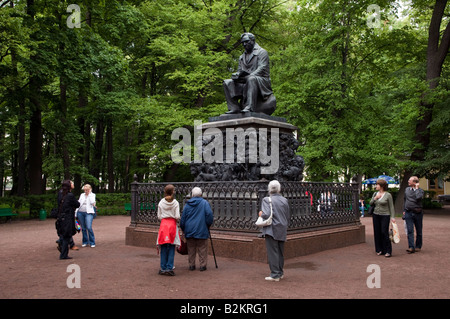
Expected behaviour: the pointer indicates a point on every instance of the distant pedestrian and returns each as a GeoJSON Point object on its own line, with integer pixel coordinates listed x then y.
{"type": "Point", "coordinates": [65, 222]}
{"type": "Point", "coordinates": [413, 213]}
{"type": "Point", "coordinates": [362, 204]}
{"type": "Point", "coordinates": [276, 233]}
{"type": "Point", "coordinates": [383, 214]}
{"type": "Point", "coordinates": [168, 236]}
{"type": "Point", "coordinates": [196, 219]}
{"type": "Point", "coordinates": [326, 202]}
{"type": "Point", "coordinates": [72, 245]}
{"type": "Point", "coordinates": [86, 214]}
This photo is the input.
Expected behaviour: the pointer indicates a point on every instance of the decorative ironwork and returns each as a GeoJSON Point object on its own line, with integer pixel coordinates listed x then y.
{"type": "Point", "coordinates": [236, 204]}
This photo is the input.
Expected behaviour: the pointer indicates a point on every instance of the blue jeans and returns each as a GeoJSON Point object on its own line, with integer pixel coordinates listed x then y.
{"type": "Point", "coordinates": [414, 220]}
{"type": "Point", "coordinates": [167, 253]}
{"type": "Point", "coordinates": [86, 227]}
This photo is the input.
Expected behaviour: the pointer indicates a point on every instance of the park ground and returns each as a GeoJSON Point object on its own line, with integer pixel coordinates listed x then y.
{"type": "Point", "coordinates": [30, 268]}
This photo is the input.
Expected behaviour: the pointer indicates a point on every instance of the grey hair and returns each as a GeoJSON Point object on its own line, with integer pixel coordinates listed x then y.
{"type": "Point", "coordinates": [196, 192]}
{"type": "Point", "coordinates": [274, 187]}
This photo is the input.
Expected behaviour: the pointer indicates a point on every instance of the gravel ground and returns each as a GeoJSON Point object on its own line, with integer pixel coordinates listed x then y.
{"type": "Point", "coordinates": [30, 268]}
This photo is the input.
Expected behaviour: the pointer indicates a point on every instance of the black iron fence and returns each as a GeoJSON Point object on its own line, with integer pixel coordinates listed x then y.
{"type": "Point", "coordinates": [236, 204]}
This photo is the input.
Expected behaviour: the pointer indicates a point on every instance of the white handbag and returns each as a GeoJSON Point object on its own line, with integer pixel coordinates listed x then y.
{"type": "Point", "coordinates": [394, 234]}
{"type": "Point", "coordinates": [260, 222]}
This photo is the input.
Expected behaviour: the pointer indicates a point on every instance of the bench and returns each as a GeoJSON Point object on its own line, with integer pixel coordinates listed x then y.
{"type": "Point", "coordinates": [7, 212]}
{"type": "Point", "coordinates": [146, 206]}
{"type": "Point", "coordinates": [128, 208]}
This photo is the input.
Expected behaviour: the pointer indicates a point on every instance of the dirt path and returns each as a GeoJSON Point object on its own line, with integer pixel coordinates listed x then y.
{"type": "Point", "coordinates": [30, 268]}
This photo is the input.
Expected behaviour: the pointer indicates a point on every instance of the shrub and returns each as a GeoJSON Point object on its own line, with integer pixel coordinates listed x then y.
{"type": "Point", "coordinates": [108, 204]}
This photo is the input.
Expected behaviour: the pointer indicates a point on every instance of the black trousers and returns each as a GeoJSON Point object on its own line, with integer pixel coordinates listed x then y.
{"type": "Point", "coordinates": [64, 243]}
{"type": "Point", "coordinates": [381, 233]}
{"type": "Point", "coordinates": [71, 243]}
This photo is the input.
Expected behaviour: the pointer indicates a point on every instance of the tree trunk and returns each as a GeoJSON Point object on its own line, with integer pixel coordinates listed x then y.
{"type": "Point", "coordinates": [65, 142]}
{"type": "Point", "coordinates": [19, 186]}
{"type": "Point", "coordinates": [98, 147]}
{"type": "Point", "coordinates": [110, 160]}
{"type": "Point", "coordinates": [126, 179]}
{"type": "Point", "coordinates": [35, 149]}
{"type": "Point", "coordinates": [436, 54]}
{"type": "Point", "coordinates": [35, 141]}
{"type": "Point", "coordinates": [21, 180]}
{"type": "Point", "coordinates": [80, 158]}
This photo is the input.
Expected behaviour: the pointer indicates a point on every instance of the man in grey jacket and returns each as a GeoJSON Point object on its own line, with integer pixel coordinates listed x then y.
{"type": "Point", "coordinates": [275, 234]}
{"type": "Point", "coordinates": [413, 214]}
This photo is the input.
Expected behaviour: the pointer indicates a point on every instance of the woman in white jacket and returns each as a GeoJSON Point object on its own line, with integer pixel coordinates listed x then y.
{"type": "Point", "coordinates": [86, 214]}
{"type": "Point", "coordinates": [168, 236]}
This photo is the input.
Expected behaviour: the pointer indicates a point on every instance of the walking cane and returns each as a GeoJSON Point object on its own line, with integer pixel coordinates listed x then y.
{"type": "Point", "coordinates": [212, 247]}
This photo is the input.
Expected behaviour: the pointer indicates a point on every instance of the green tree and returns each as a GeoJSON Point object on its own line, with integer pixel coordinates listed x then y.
{"type": "Point", "coordinates": [326, 78]}
{"type": "Point", "coordinates": [426, 156]}
{"type": "Point", "coordinates": [98, 103]}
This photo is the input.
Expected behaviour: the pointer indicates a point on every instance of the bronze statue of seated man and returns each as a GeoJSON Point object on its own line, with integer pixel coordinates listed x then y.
{"type": "Point", "coordinates": [249, 89]}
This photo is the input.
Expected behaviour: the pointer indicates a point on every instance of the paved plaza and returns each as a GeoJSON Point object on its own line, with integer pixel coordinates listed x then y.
{"type": "Point", "coordinates": [30, 268]}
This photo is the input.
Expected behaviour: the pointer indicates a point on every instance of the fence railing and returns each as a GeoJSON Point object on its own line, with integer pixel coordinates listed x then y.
{"type": "Point", "coordinates": [236, 204]}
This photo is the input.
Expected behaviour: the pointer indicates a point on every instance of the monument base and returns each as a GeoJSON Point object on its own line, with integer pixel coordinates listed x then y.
{"type": "Point", "coordinates": [247, 115]}
{"type": "Point", "coordinates": [249, 247]}
{"type": "Point", "coordinates": [247, 147]}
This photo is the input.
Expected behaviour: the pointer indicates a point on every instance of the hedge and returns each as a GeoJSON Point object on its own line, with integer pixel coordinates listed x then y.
{"type": "Point", "coordinates": [107, 204]}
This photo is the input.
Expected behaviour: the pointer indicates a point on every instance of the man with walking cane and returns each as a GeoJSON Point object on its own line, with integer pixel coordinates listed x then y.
{"type": "Point", "coordinates": [195, 221]}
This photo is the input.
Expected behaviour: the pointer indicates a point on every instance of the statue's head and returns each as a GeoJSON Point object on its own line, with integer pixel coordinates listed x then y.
{"type": "Point", "coordinates": [248, 41]}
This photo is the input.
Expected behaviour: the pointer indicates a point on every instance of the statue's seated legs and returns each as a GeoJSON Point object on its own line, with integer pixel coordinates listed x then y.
{"type": "Point", "coordinates": [245, 97]}
{"type": "Point", "coordinates": [233, 95]}
{"type": "Point", "coordinates": [251, 93]}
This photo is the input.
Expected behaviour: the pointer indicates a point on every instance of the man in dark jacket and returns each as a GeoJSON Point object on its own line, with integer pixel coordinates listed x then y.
{"type": "Point", "coordinates": [412, 211]}
{"type": "Point", "coordinates": [195, 221]}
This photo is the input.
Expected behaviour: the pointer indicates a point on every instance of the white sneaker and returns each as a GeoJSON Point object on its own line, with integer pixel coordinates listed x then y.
{"type": "Point", "coordinates": [84, 245]}
{"type": "Point", "coordinates": [92, 246]}
{"type": "Point", "coordinates": [272, 279]}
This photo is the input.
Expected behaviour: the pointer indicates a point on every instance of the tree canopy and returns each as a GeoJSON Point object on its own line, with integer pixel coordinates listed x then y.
{"type": "Point", "coordinates": [368, 87]}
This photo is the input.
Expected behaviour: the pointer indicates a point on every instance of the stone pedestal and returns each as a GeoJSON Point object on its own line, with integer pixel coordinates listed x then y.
{"type": "Point", "coordinates": [250, 247]}
{"type": "Point", "coordinates": [247, 147]}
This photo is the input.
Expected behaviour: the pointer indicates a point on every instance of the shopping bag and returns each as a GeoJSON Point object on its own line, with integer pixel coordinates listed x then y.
{"type": "Point", "coordinates": [395, 233]}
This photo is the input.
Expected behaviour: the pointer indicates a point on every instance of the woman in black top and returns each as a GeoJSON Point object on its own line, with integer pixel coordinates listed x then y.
{"type": "Point", "coordinates": [65, 222]}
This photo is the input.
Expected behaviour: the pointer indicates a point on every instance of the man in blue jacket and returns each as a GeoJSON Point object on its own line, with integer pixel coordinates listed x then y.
{"type": "Point", "coordinates": [195, 221]}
